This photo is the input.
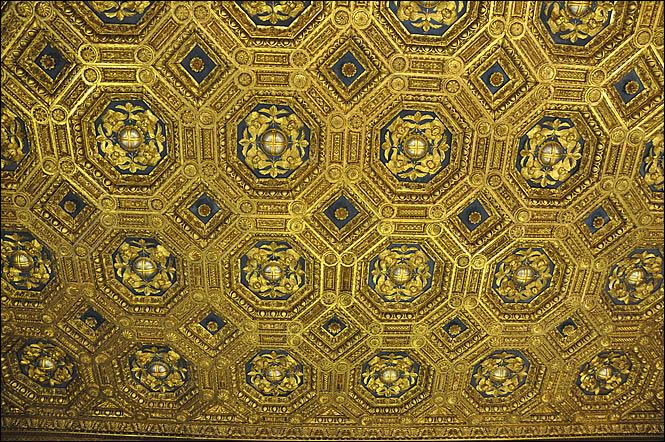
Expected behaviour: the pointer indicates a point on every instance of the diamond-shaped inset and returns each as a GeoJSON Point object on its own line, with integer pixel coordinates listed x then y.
{"type": "Point", "coordinates": [348, 69]}
{"type": "Point", "coordinates": [567, 328]}
{"type": "Point", "coordinates": [204, 208]}
{"type": "Point", "coordinates": [495, 78]}
{"type": "Point", "coordinates": [334, 326]}
{"type": "Point", "coordinates": [212, 323]}
{"type": "Point", "coordinates": [500, 78]}
{"type": "Point", "coordinates": [455, 327]}
{"type": "Point", "coordinates": [51, 61]}
{"type": "Point", "coordinates": [198, 64]}
{"type": "Point", "coordinates": [597, 219]}
{"type": "Point", "coordinates": [92, 319]}
{"type": "Point", "coordinates": [341, 212]}
{"type": "Point", "coordinates": [473, 215]}
{"type": "Point", "coordinates": [72, 204]}
{"type": "Point", "coordinates": [629, 86]}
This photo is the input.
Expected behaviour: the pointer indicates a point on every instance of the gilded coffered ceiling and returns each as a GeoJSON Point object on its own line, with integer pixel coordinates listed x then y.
{"type": "Point", "coordinates": [389, 220]}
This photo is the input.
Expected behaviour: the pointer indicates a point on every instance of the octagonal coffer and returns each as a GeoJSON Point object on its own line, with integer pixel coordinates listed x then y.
{"type": "Point", "coordinates": [575, 23]}
{"type": "Point", "coordinates": [273, 141]}
{"type": "Point", "coordinates": [274, 373]}
{"type": "Point", "coordinates": [159, 368]}
{"type": "Point", "coordinates": [604, 373]}
{"type": "Point", "coordinates": [500, 373]}
{"type": "Point", "coordinates": [144, 266]}
{"type": "Point", "coordinates": [46, 363]}
{"type": "Point", "coordinates": [428, 17]}
{"type": "Point", "coordinates": [415, 146]}
{"type": "Point", "coordinates": [635, 277]}
{"type": "Point", "coordinates": [550, 152]}
{"type": "Point", "coordinates": [272, 270]}
{"type": "Point", "coordinates": [15, 144]}
{"type": "Point", "coordinates": [390, 374]}
{"type": "Point", "coordinates": [523, 275]}
{"type": "Point", "coordinates": [131, 137]}
{"type": "Point", "coordinates": [401, 273]}
{"type": "Point", "coordinates": [26, 262]}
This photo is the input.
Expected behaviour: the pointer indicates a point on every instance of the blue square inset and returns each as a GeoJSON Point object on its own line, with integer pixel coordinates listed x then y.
{"type": "Point", "coordinates": [348, 69]}
{"type": "Point", "coordinates": [597, 219]}
{"type": "Point", "coordinates": [334, 326]}
{"type": "Point", "coordinates": [455, 327]}
{"type": "Point", "coordinates": [473, 215]}
{"type": "Point", "coordinates": [629, 86]}
{"type": "Point", "coordinates": [51, 61]}
{"type": "Point", "coordinates": [495, 78]}
{"type": "Point", "coordinates": [204, 208]}
{"type": "Point", "coordinates": [212, 323]}
{"type": "Point", "coordinates": [341, 212]}
{"type": "Point", "coordinates": [565, 327]}
{"type": "Point", "coordinates": [198, 64]}
{"type": "Point", "coordinates": [92, 319]}
{"type": "Point", "coordinates": [72, 204]}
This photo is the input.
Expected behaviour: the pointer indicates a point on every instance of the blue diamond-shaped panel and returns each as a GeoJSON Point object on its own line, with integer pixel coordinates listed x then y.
{"type": "Point", "coordinates": [550, 152]}
{"type": "Point", "coordinates": [495, 78]}
{"type": "Point", "coordinates": [401, 273]}
{"type": "Point", "coordinates": [144, 266]}
{"type": "Point", "coordinates": [159, 368]}
{"type": "Point", "coordinates": [604, 373]}
{"type": "Point", "coordinates": [575, 23]}
{"type": "Point", "coordinates": [523, 275]}
{"type": "Point", "coordinates": [500, 373]}
{"type": "Point", "coordinates": [274, 373]}
{"type": "Point", "coordinates": [120, 13]}
{"type": "Point", "coordinates": [597, 219]}
{"type": "Point", "coordinates": [46, 363]}
{"type": "Point", "coordinates": [635, 277]}
{"type": "Point", "coordinates": [273, 13]}
{"type": "Point", "coordinates": [92, 318]}
{"type": "Point", "coordinates": [390, 374]}
{"type": "Point", "coordinates": [26, 262]}
{"type": "Point", "coordinates": [629, 86]}
{"type": "Point", "coordinates": [273, 141]}
{"type": "Point", "coordinates": [212, 323]}
{"type": "Point", "coordinates": [455, 327]}
{"type": "Point", "coordinates": [651, 167]}
{"type": "Point", "coordinates": [348, 69]}
{"type": "Point", "coordinates": [473, 215]}
{"type": "Point", "coordinates": [51, 61]}
{"type": "Point", "coordinates": [567, 327]}
{"type": "Point", "coordinates": [198, 64]}
{"type": "Point", "coordinates": [341, 212]}
{"type": "Point", "coordinates": [415, 146]}
{"type": "Point", "coordinates": [204, 208]}
{"type": "Point", "coordinates": [334, 326]}
{"type": "Point", "coordinates": [272, 270]}
{"type": "Point", "coordinates": [72, 204]}
{"type": "Point", "coordinates": [428, 17]}
{"type": "Point", "coordinates": [15, 144]}
{"type": "Point", "coordinates": [131, 137]}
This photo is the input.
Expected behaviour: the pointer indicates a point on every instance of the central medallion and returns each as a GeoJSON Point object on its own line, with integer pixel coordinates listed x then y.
{"type": "Point", "coordinates": [401, 273]}
{"type": "Point", "coordinates": [272, 270]}
{"type": "Point", "coordinates": [274, 373]}
{"type": "Point", "coordinates": [390, 374]}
